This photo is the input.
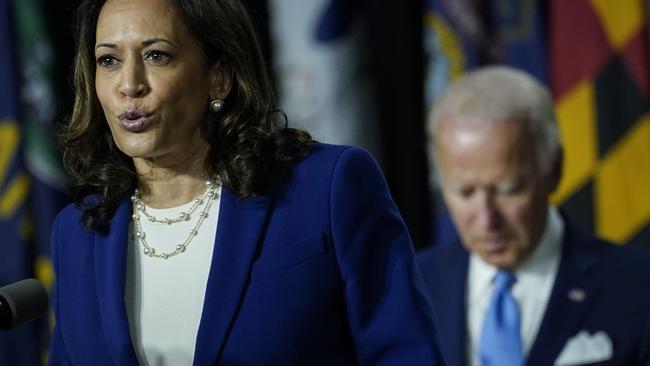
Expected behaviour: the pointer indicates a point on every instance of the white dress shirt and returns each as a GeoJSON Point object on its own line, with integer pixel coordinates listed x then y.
{"type": "Point", "coordinates": [164, 298]}
{"type": "Point", "coordinates": [535, 278]}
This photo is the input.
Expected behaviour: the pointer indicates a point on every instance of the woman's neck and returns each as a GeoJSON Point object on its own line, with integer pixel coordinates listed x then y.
{"type": "Point", "coordinates": [171, 184]}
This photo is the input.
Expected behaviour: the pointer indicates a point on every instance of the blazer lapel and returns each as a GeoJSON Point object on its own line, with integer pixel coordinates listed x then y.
{"type": "Point", "coordinates": [239, 230]}
{"type": "Point", "coordinates": [575, 289]}
{"type": "Point", "coordinates": [110, 278]}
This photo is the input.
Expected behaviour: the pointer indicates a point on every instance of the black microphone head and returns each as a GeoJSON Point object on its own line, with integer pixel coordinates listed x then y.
{"type": "Point", "coordinates": [21, 302]}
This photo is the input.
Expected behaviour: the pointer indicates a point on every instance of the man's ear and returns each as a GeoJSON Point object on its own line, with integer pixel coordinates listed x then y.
{"type": "Point", "coordinates": [556, 170]}
{"type": "Point", "coordinates": [221, 76]}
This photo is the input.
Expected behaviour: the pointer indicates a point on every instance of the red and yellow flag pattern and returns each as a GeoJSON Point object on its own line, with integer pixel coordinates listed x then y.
{"type": "Point", "coordinates": [600, 80]}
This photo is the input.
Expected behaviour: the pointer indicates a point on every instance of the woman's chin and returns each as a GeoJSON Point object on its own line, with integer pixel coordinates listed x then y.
{"type": "Point", "coordinates": [137, 151]}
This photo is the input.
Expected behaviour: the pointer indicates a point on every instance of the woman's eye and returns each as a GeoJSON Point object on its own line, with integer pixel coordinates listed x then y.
{"type": "Point", "coordinates": [157, 57]}
{"type": "Point", "coordinates": [106, 61]}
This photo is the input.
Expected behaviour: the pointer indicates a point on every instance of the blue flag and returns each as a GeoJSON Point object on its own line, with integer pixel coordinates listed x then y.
{"type": "Point", "coordinates": [20, 346]}
{"type": "Point", "coordinates": [37, 101]}
{"type": "Point", "coordinates": [520, 33]}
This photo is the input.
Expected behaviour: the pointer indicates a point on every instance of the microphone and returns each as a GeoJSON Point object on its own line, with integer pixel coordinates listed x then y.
{"type": "Point", "coordinates": [21, 302]}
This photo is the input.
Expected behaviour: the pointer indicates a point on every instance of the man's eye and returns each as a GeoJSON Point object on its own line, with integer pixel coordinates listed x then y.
{"type": "Point", "coordinates": [464, 192]}
{"type": "Point", "coordinates": [157, 57]}
{"type": "Point", "coordinates": [106, 61]}
{"type": "Point", "coordinates": [510, 188]}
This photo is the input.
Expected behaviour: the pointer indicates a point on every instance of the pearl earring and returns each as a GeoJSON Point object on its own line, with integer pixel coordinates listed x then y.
{"type": "Point", "coordinates": [217, 105]}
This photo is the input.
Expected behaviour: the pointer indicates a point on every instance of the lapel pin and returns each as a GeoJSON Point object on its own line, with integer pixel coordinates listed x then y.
{"type": "Point", "coordinates": [577, 294]}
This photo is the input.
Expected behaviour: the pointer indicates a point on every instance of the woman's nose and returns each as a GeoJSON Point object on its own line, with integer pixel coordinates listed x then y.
{"type": "Point", "coordinates": [133, 82]}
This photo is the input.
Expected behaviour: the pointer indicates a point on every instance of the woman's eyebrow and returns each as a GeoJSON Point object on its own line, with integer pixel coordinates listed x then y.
{"type": "Point", "coordinates": [151, 41]}
{"type": "Point", "coordinates": [145, 43]}
{"type": "Point", "coordinates": [107, 45]}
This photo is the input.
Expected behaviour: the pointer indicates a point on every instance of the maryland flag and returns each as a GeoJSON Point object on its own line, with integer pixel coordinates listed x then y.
{"type": "Point", "coordinates": [600, 81]}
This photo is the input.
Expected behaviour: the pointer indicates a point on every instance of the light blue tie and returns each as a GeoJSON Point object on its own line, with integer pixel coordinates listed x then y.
{"type": "Point", "coordinates": [500, 343]}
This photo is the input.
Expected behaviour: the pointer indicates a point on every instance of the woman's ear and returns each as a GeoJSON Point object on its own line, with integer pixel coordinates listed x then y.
{"type": "Point", "coordinates": [221, 80]}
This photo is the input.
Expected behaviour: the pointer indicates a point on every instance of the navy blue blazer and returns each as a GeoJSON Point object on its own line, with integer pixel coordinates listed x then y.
{"type": "Point", "coordinates": [321, 273]}
{"type": "Point", "coordinates": [615, 280]}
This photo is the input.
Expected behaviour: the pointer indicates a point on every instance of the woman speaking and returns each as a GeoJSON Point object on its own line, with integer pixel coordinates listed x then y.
{"type": "Point", "coordinates": [204, 231]}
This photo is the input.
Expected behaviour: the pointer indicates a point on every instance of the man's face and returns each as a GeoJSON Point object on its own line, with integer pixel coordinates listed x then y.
{"type": "Point", "coordinates": [492, 185]}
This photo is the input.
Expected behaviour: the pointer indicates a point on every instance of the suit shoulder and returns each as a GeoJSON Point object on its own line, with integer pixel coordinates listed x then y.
{"type": "Point", "coordinates": [69, 222]}
{"type": "Point", "coordinates": [434, 262]}
{"type": "Point", "coordinates": [330, 154]}
{"type": "Point", "coordinates": [440, 252]}
{"type": "Point", "coordinates": [615, 262]}
{"type": "Point", "coordinates": [623, 270]}
{"type": "Point", "coordinates": [631, 263]}
{"type": "Point", "coordinates": [428, 256]}
{"type": "Point", "coordinates": [68, 214]}
{"type": "Point", "coordinates": [325, 159]}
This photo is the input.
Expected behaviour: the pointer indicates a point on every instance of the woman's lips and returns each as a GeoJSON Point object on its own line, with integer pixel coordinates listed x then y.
{"type": "Point", "coordinates": [134, 121]}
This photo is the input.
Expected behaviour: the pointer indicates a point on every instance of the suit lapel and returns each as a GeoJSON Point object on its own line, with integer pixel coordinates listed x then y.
{"type": "Point", "coordinates": [110, 278]}
{"type": "Point", "coordinates": [239, 230]}
{"type": "Point", "coordinates": [450, 303]}
{"type": "Point", "coordinates": [574, 291]}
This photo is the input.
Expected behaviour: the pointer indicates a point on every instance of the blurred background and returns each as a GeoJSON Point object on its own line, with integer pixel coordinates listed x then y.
{"type": "Point", "coordinates": [363, 73]}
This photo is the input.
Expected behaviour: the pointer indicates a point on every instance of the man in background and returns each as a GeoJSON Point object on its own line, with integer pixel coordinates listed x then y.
{"type": "Point", "coordinates": [524, 285]}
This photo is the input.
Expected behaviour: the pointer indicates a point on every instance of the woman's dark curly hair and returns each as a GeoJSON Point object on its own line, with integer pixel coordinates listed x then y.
{"type": "Point", "coordinates": [251, 149]}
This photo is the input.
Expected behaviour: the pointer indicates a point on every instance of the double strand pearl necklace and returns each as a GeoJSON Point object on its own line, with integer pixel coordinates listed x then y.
{"type": "Point", "coordinates": [140, 209]}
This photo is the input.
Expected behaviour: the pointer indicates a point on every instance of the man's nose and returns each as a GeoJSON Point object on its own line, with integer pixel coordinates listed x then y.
{"type": "Point", "coordinates": [487, 212]}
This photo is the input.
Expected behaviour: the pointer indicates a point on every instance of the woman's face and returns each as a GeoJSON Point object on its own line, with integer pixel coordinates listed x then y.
{"type": "Point", "coordinates": [153, 80]}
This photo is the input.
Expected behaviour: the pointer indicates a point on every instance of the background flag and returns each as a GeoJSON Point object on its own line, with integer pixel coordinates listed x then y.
{"type": "Point", "coordinates": [20, 346]}
{"type": "Point", "coordinates": [38, 106]}
{"type": "Point", "coordinates": [450, 41]}
{"type": "Point", "coordinates": [32, 186]}
{"type": "Point", "coordinates": [599, 77]}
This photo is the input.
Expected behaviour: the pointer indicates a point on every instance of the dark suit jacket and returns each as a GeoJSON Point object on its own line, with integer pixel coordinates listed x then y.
{"type": "Point", "coordinates": [616, 282]}
{"type": "Point", "coordinates": [322, 273]}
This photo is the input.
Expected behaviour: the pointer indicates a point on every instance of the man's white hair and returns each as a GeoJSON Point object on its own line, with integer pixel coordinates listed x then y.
{"type": "Point", "coordinates": [496, 94]}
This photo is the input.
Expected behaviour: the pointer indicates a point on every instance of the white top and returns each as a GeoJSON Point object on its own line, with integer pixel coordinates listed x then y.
{"type": "Point", "coordinates": [164, 297]}
{"type": "Point", "coordinates": [535, 279]}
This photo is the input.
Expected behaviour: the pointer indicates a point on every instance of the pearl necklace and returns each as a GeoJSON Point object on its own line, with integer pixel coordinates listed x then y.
{"type": "Point", "coordinates": [139, 207]}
